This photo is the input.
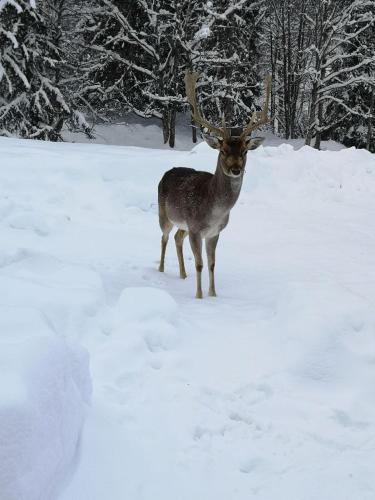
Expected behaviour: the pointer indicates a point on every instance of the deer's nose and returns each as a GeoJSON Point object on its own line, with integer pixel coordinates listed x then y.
{"type": "Point", "coordinates": [236, 171]}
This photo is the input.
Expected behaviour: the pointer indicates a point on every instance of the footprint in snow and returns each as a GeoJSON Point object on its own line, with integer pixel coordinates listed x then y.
{"type": "Point", "coordinates": [156, 364]}
{"type": "Point", "coordinates": [160, 337]}
{"type": "Point", "coordinates": [29, 221]}
{"type": "Point", "coordinates": [345, 420]}
{"type": "Point", "coordinates": [237, 417]}
{"type": "Point", "coordinates": [9, 258]}
{"type": "Point", "coordinates": [249, 465]}
{"type": "Point", "coordinates": [201, 433]}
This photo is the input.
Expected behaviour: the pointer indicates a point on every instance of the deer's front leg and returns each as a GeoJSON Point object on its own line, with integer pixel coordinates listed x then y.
{"type": "Point", "coordinates": [196, 246]}
{"type": "Point", "coordinates": [210, 249]}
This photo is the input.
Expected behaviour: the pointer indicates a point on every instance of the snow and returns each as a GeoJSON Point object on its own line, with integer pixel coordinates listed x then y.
{"type": "Point", "coordinates": [263, 392]}
{"type": "Point", "coordinates": [139, 304]}
{"type": "Point", "coordinates": [44, 391]}
{"type": "Point", "coordinates": [5, 3]}
{"type": "Point", "coordinates": [147, 134]}
{"type": "Point", "coordinates": [142, 133]}
{"type": "Point", "coordinates": [203, 32]}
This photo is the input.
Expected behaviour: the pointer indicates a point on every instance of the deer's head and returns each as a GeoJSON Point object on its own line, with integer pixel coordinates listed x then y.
{"type": "Point", "coordinates": [232, 146]}
{"type": "Point", "coordinates": [233, 152]}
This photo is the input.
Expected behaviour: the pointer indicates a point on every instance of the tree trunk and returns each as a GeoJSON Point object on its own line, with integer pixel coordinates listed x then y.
{"type": "Point", "coordinates": [172, 127]}
{"type": "Point", "coordinates": [285, 75]}
{"type": "Point", "coordinates": [369, 123]}
{"type": "Point", "coordinates": [320, 112]}
{"type": "Point", "coordinates": [318, 135]}
{"type": "Point", "coordinates": [55, 134]}
{"type": "Point", "coordinates": [318, 139]}
{"type": "Point", "coordinates": [165, 125]}
{"type": "Point", "coordinates": [273, 84]}
{"type": "Point", "coordinates": [193, 132]}
{"type": "Point", "coordinates": [312, 117]}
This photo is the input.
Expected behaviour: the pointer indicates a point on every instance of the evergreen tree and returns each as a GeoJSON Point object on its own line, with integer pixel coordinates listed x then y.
{"type": "Point", "coordinates": [62, 60]}
{"type": "Point", "coordinates": [32, 104]}
{"type": "Point", "coordinates": [355, 111]}
{"type": "Point", "coordinates": [131, 61]}
{"type": "Point", "coordinates": [334, 72]}
{"type": "Point", "coordinates": [225, 51]}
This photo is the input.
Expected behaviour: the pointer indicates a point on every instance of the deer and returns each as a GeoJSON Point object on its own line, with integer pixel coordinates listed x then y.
{"type": "Point", "coordinates": [198, 203]}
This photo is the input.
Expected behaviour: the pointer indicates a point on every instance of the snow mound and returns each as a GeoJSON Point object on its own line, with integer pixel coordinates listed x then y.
{"type": "Point", "coordinates": [44, 391]}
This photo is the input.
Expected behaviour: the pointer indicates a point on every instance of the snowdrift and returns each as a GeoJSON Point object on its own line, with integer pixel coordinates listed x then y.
{"type": "Point", "coordinates": [44, 391]}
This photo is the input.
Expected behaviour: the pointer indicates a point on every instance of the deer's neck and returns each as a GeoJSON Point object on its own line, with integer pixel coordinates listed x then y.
{"type": "Point", "coordinates": [225, 190]}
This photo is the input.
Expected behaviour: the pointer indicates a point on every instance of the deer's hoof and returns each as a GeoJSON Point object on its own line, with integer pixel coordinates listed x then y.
{"type": "Point", "coordinates": [199, 295]}
{"type": "Point", "coordinates": [183, 276]}
{"type": "Point", "coordinates": [161, 269]}
{"type": "Point", "coordinates": [212, 293]}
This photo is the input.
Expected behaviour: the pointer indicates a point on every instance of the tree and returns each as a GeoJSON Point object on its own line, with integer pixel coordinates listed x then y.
{"type": "Point", "coordinates": [356, 127]}
{"type": "Point", "coordinates": [132, 60]}
{"type": "Point", "coordinates": [224, 50]}
{"type": "Point", "coordinates": [62, 60]}
{"type": "Point", "coordinates": [32, 103]}
{"type": "Point", "coordinates": [335, 26]}
{"type": "Point", "coordinates": [59, 18]}
{"type": "Point", "coordinates": [284, 41]}
{"type": "Point", "coordinates": [140, 50]}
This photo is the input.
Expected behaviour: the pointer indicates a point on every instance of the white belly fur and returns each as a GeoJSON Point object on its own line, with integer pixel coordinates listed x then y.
{"type": "Point", "coordinates": [217, 223]}
{"type": "Point", "coordinates": [180, 225]}
{"type": "Point", "coordinates": [211, 231]}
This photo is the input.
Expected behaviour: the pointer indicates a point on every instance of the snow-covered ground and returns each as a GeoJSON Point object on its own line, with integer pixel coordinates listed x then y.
{"type": "Point", "coordinates": [265, 392]}
{"type": "Point", "coordinates": [147, 133]}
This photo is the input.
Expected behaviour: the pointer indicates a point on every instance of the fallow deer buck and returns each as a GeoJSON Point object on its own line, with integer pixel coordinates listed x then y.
{"type": "Point", "coordinates": [198, 202]}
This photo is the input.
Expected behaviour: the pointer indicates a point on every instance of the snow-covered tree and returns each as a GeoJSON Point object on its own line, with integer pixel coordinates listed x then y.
{"type": "Point", "coordinates": [283, 40]}
{"type": "Point", "coordinates": [32, 104]}
{"type": "Point", "coordinates": [132, 60]}
{"type": "Point", "coordinates": [61, 60]}
{"type": "Point", "coordinates": [334, 72]}
{"type": "Point", "coordinates": [356, 125]}
{"type": "Point", "coordinates": [139, 52]}
{"type": "Point", "coordinates": [221, 43]}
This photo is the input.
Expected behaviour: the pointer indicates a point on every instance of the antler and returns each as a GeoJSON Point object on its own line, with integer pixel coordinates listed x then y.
{"type": "Point", "coordinates": [191, 79]}
{"type": "Point", "coordinates": [259, 118]}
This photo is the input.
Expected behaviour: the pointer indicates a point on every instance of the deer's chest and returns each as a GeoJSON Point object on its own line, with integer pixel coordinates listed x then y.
{"type": "Point", "coordinates": [216, 223]}
{"type": "Point", "coordinates": [204, 220]}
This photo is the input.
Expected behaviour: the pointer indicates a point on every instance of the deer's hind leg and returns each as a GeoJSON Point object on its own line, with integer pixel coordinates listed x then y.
{"type": "Point", "coordinates": [179, 239]}
{"type": "Point", "coordinates": [166, 227]}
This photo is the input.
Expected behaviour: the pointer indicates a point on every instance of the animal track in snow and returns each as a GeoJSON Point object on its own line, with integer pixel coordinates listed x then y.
{"type": "Point", "coordinates": [159, 337]}
{"type": "Point", "coordinates": [249, 465]}
{"type": "Point", "coordinates": [345, 420]}
{"type": "Point", "coordinates": [29, 221]}
{"type": "Point", "coordinates": [7, 259]}
{"type": "Point", "coordinates": [203, 432]}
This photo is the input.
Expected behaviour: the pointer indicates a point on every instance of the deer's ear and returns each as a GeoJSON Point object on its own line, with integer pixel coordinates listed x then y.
{"type": "Point", "coordinates": [212, 141]}
{"type": "Point", "coordinates": [254, 142]}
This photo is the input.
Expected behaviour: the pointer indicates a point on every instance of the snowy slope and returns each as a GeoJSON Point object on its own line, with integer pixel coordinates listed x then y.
{"type": "Point", "coordinates": [264, 392]}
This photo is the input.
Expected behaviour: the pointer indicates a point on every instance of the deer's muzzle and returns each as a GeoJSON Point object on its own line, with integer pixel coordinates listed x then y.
{"type": "Point", "coordinates": [236, 171]}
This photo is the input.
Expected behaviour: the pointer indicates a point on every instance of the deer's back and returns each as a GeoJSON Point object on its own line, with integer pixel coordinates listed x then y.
{"type": "Point", "coordinates": [184, 193]}
{"type": "Point", "coordinates": [184, 185]}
